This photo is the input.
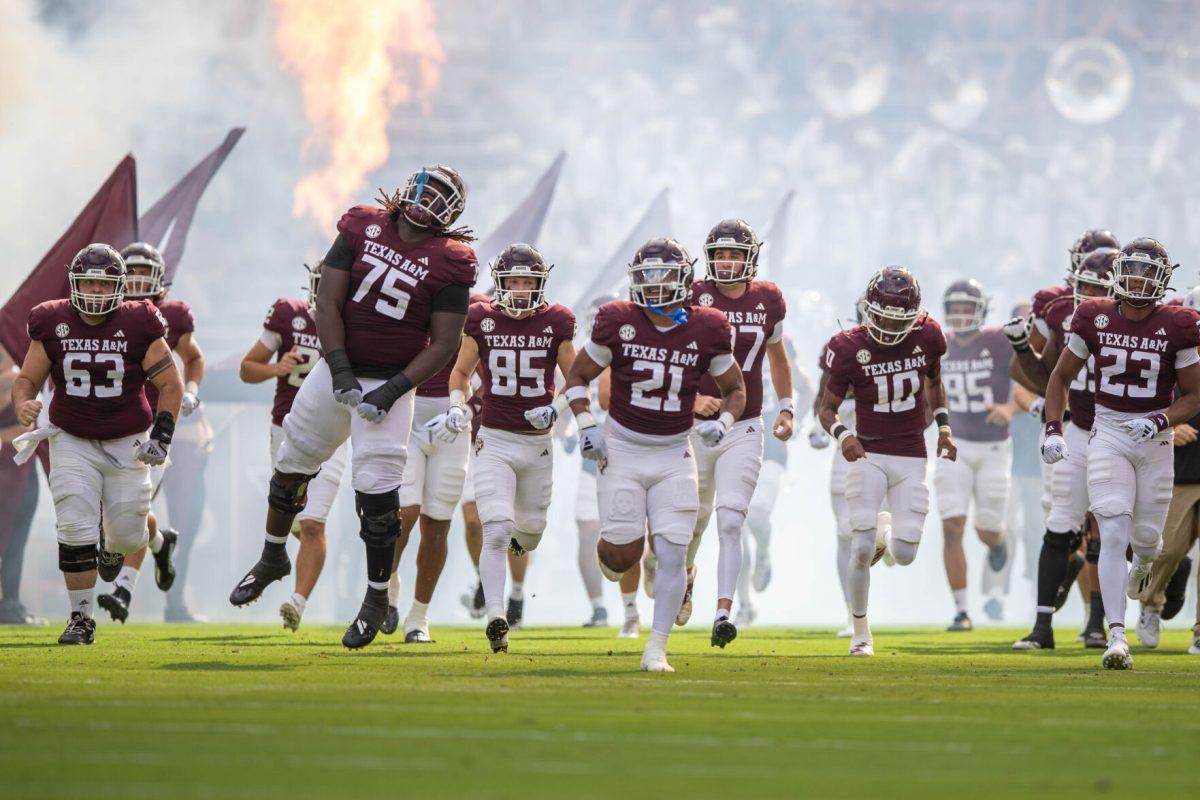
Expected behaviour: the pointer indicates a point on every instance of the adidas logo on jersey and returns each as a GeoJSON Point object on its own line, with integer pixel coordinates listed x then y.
{"type": "Point", "coordinates": [1160, 332]}
{"type": "Point", "coordinates": [548, 329]}
{"type": "Point", "coordinates": [917, 349]}
{"type": "Point", "coordinates": [760, 307]}
{"type": "Point", "coordinates": [985, 353]}
{"type": "Point", "coordinates": [545, 452]}
{"type": "Point", "coordinates": [692, 346]}
{"type": "Point", "coordinates": [119, 335]}
{"type": "Point", "coordinates": [424, 260]}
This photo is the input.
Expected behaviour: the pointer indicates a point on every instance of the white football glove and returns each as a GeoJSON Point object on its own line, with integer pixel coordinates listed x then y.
{"type": "Point", "coordinates": [591, 444]}
{"type": "Point", "coordinates": [1037, 406]}
{"type": "Point", "coordinates": [1017, 331]}
{"type": "Point", "coordinates": [152, 452]}
{"type": "Point", "coordinates": [541, 417]}
{"type": "Point", "coordinates": [453, 422]}
{"type": "Point", "coordinates": [818, 438]}
{"type": "Point", "coordinates": [1142, 429]}
{"type": "Point", "coordinates": [190, 403]}
{"type": "Point", "coordinates": [1054, 449]}
{"type": "Point", "coordinates": [348, 397]}
{"type": "Point", "coordinates": [711, 432]}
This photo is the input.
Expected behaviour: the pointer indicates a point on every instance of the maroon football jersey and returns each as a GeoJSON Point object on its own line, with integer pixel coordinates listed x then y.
{"type": "Point", "coordinates": [656, 374]}
{"type": "Point", "coordinates": [888, 383]}
{"type": "Point", "coordinates": [757, 319]}
{"type": "Point", "coordinates": [392, 286]}
{"type": "Point", "coordinates": [1043, 297]}
{"type": "Point", "coordinates": [179, 321]}
{"type": "Point", "coordinates": [97, 369]}
{"type": "Point", "coordinates": [1081, 396]}
{"type": "Point", "coordinates": [293, 325]}
{"type": "Point", "coordinates": [439, 384]}
{"type": "Point", "coordinates": [1135, 360]}
{"type": "Point", "coordinates": [975, 374]}
{"type": "Point", "coordinates": [518, 357]}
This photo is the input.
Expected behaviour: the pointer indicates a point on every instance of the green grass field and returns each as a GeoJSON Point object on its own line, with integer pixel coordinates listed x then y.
{"type": "Point", "coordinates": [218, 711]}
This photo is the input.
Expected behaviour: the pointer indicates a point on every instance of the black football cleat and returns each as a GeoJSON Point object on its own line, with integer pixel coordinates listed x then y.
{"type": "Point", "coordinates": [1176, 589]}
{"type": "Point", "coordinates": [164, 560]}
{"type": "Point", "coordinates": [998, 556]}
{"type": "Point", "coordinates": [961, 622]}
{"type": "Point", "coordinates": [260, 576]}
{"type": "Point", "coordinates": [1038, 639]}
{"type": "Point", "coordinates": [80, 630]}
{"type": "Point", "coordinates": [497, 635]}
{"type": "Point", "coordinates": [116, 603]}
{"type": "Point", "coordinates": [723, 632]}
{"type": "Point", "coordinates": [108, 563]}
{"type": "Point", "coordinates": [514, 613]}
{"type": "Point", "coordinates": [391, 622]}
{"type": "Point", "coordinates": [1074, 567]}
{"type": "Point", "coordinates": [1095, 639]}
{"type": "Point", "coordinates": [371, 615]}
{"type": "Point", "coordinates": [515, 548]}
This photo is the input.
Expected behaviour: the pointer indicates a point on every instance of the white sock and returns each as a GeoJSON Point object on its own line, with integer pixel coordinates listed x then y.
{"type": "Point", "coordinates": [722, 613]}
{"type": "Point", "coordinates": [81, 600]}
{"type": "Point", "coordinates": [493, 564]}
{"type": "Point", "coordinates": [843, 566]}
{"type": "Point", "coordinates": [862, 631]}
{"type": "Point", "coordinates": [417, 616]}
{"type": "Point", "coordinates": [629, 600]}
{"type": "Point", "coordinates": [669, 584]}
{"type": "Point", "coordinates": [960, 600]}
{"type": "Point", "coordinates": [156, 542]}
{"type": "Point", "coordinates": [862, 550]}
{"type": "Point", "coordinates": [127, 577]}
{"type": "Point", "coordinates": [394, 589]}
{"type": "Point", "coordinates": [589, 564]}
{"type": "Point", "coordinates": [744, 576]}
{"type": "Point", "coordinates": [518, 590]}
{"type": "Point", "coordinates": [299, 601]}
{"type": "Point", "coordinates": [657, 640]}
{"type": "Point", "coordinates": [1117, 633]}
{"type": "Point", "coordinates": [729, 555]}
{"type": "Point", "coordinates": [1114, 539]}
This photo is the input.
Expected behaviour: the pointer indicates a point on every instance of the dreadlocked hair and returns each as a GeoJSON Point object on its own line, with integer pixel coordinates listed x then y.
{"type": "Point", "coordinates": [390, 202]}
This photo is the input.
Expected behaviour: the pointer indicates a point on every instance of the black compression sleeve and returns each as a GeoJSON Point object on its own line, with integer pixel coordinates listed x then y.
{"type": "Point", "coordinates": [340, 255]}
{"type": "Point", "coordinates": [452, 298]}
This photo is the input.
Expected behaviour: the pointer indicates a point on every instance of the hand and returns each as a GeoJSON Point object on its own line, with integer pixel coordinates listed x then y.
{"type": "Point", "coordinates": [706, 405]}
{"type": "Point", "coordinates": [783, 426]}
{"type": "Point", "coordinates": [349, 395]}
{"type": "Point", "coordinates": [818, 438]}
{"type": "Point", "coordinates": [1143, 429]}
{"type": "Point", "coordinates": [152, 452]}
{"type": "Point", "coordinates": [946, 448]}
{"type": "Point", "coordinates": [591, 445]}
{"type": "Point", "coordinates": [541, 417]}
{"type": "Point", "coordinates": [1054, 449]}
{"type": "Point", "coordinates": [852, 449]}
{"type": "Point", "coordinates": [999, 414]}
{"type": "Point", "coordinates": [1185, 434]}
{"type": "Point", "coordinates": [1037, 407]}
{"type": "Point", "coordinates": [27, 414]}
{"type": "Point", "coordinates": [711, 432]}
{"type": "Point", "coordinates": [1017, 331]}
{"type": "Point", "coordinates": [189, 404]}
{"type": "Point", "coordinates": [446, 427]}
{"type": "Point", "coordinates": [287, 362]}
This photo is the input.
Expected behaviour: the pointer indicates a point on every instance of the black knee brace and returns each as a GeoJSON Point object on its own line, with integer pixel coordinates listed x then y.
{"type": "Point", "coordinates": [76, 557]}
{"type": "Point", "coordinates": [1093, 550]}
{"type": "Point", "coordinates": [289, 492]}
{"type": "Point", "coordinates": [1076, 539]}
{"type": "Point", "coordinates": [379, 515]}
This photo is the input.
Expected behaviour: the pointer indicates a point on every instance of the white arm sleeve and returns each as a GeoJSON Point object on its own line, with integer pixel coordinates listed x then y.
{"type": "Point", "coordinates": [776, 334]}
{"type": "Point", "coordinates": [271, 340]}
{"type": "Point", "coordinates": [1078, 346]}
{"type": "Point", "coordinates": [598, 353]}
{"type": "Point", "coordinates": [1185, 358]}
{"type": "Point", "coordinates": [721, 364]}
{"type": "Point", "coordinates": [1041, 326]}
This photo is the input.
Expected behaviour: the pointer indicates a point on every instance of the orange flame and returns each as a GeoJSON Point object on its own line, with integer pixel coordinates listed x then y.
{"type": "Point", "coordinates": [357, 63]}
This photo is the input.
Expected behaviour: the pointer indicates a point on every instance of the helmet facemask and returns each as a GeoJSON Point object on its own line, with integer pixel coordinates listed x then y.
{"type": "Point", "coordinates": [888, 325]}
{"type": "Point", "coordinates": [431, 199]}
{"type": "Point", "coordinates": [722, 269]}
{"type": "Point", "coordinates": [964, 319]}
{"type": "Point", "coordinates": [96, 303]}
{"type": "Point", "coordinates": [1139, 278]}
{"type": "Point", "coordinates": [515, 301]}
{"type": "Point", "coordinates": [657, 284]}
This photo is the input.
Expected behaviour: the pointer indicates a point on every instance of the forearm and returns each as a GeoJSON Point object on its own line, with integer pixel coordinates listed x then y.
{"type": "Point", "coordinates": [255, 372]}
{"type": "Point", "coordinates": [1184, 407]}
{"type": "Point", "coordinates": [170, 394]}
{"type": "Point", "coordinates": [827, 413]}
{"type": "Point", "coordinates": [460, 381]}
{"type": "Point", "coordinates": [429, 361]}
{"type": "Point", "coordinates": [936, 395]}
{"type": "Point", "coordinates": [820, 395]}
{"type": "Point", "coordinates": [781, 372]}
{"type": "Point", "coordinates": [1023, 397]}
{"type": "Point", "coordinates": [1017, 374]}
{"type": "Point", "coordinates": [193, 370]}
{"type": "Point", "coordinates": [23, 391]}
{"type": "Point", "coordinates": [1056, 397]}
{"type": "Point", "coordinates": [1034, 368]}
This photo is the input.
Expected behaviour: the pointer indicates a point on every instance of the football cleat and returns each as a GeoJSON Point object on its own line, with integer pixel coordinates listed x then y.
{"type": "Point", "coordinates": [846, 632]}
{"type": "Point", "coordinates": [998, 556]}
{"type": "Point", "coordinates": [1038, 639]}
{"type": "Point", "coordinates": [164, 560]}
{"type": "Point", "coordinates": [497, 634]}
{"type": "Point", "coordinates": [654, 655]}
{"type": "Point", "coordinates": [1139, 578]}
{"type": "Point", "coordinates": [418, 636]}
{"type": "Point", "coordinates": [993, 608]}
{"type": "Point", "coordinates": [762, 570]}
{"type": "Point", "coordinates": [745, 616]}
{"type": "Point", "coordinates": [1074, 566]}
{"type": "Point", "coordinates": [362, 631]}
{"type": "Point", "coordinates": [515, 548]}
{"type": "Point", "coordinates": [290, 615]}
{"type": "Point", "coordinates": [961, 622]}
{"type": "Point", "coordinates": [649, 569]}
{"type": "Point", "coordinates": [1194, 650]}
{"type": "Point", "coordinates": [685, 608]}
{"type": "Point", "coordinates": [391, 622]}
{"type": "Point", "coordinates": [632, 628]}
{"type": "Point", "coordinates": [723, 632]}
{"type": "Point", "coordinates": [514, 613]}
{"type": "Point", "coordinates": [116, 603]}
{"type": "Point", "coordinates": [1117, 655]}
{"type": "Point", "coordinates": [1094, 638]}
{"type": "Point", "coordinates": [1149, 628]}
{"type": "Point", "coordinates": [80, 630]}
{"type": "Point", "coordinates": [599, 618]}
{"type": "Point", "coordinates": [12, 612]}
{"type": "Point", "coordinates": [866, 648]}
{"type": "Point", "coordinates": [473, 601]}
{"type": "Point", "coordinates": [260, 576]}
{"type": "Point", "coordinates": [108, 563]}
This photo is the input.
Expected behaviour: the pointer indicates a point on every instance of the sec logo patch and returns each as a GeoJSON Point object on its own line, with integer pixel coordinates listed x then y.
{"type": "Point", "coordinates": [627, 332]}
{"type": "Point", "coordinates": [61, 330]}
{"type": "Point", "coordinates": [1101, 321]}
{"type": "Point", "coordinates": [863, 356]}
{"type": "Point", "coordinates": [373, 231]}
{"type": "Point", "coordinates": [299, 323]}
{"type": "Point", "coordinates": [705, 299]}
{"type": "Point", "coordinates": [488, 325]}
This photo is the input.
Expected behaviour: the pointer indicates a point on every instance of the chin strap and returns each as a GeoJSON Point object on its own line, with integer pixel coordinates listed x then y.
{"type": "Point", "coordinates": [679, 316]}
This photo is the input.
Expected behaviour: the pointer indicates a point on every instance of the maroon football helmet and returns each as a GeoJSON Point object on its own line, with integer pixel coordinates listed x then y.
{"type": "Point", "coordinates": [893, 305]}
{"type": "Point", "coordinates": [660, 274]}
{"type": "Point", "coordinates": [1142, 271]}
{"type": "Point", "coordinates": [736, 235]}
{"type": "Point", "coordinates": [149, 285]}
{"type": "Point", "coordinates": [1094, 275]}
{"type": "Point", "coordinates": [523, 261]}
{"type": "Point", "coordinates": [965, 292]}
{"type": "Point", "coordinates": [434, 197]}
{"type": "Point", "coordinates": [97, 264]}
{"type": "Point", "coordinates": [1090, 240]}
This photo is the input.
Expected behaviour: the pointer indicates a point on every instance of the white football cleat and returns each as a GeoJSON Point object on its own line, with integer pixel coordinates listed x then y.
{"type": "Point", "coordinates": [685, 608]}
{"type": "Point", "coordinates": [290, 615]}
{"type": "Point", "coordinates": [1117, 655]}
{"type": "Point", "coordinates": [1149, 628]}
{"type": "Point", "coordinates": [866, 648]}
{"type": "Point", "coordinates": [654, 657]}
{"type": "Point", "coordinates": [632, 628]}
{"type": "Point", "coordinates": [1139, 578]}
{"type": "Point", "coordinates": [1194, 650]}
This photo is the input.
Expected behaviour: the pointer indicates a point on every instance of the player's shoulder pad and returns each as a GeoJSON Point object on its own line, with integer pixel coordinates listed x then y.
{"type": "Point", "coordinates": [462, 266]}
{"type": "Point", "coordinates": [707, 316]}
{"type": "Point", "coordinates": [355, 221]}
{"type": "Point", "coordinates": [1088, 309]}
{"type": "Point", "coordinates": [148, 313]}
{"type": "Point", "coordinates": [1182, 316]}
{"type": "Point", "coordinates": [562, 319]}
{"type": "Point", "coordinates": [44, 317]}
{"type": "Point", "coordinates": [1043, 297]}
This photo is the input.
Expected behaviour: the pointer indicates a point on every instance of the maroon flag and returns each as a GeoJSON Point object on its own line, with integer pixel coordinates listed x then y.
{"type": "Point", "coordinates": [109, 217]}
{"type": "Point", "coordinates": [172, 214]}
{"type": "Point", "coordinates": [776, 240]}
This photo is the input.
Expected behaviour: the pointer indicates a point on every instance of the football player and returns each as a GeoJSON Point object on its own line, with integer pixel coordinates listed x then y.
{"type": "Point", "coordinates": [145, 280]}
{"type": "Point", "coordinates": [658, 347]}
{"type": "Point", "coordinates": [432, 486]}
{"type": "Point", "coordinates": [1142, 350]}
{"type": "Point", "coordinates": [1092, 278]}
{"type": "Point", "coordinates": [290, 337]}
{"type": "Point", "coordinates": [893, 363]}
{"type": "Point", "coordinates": [518, 338]}
{"type": "Point", "coordinates": [99, 350]}
{"type": "Point", "coordinates": [728, 473]}
{"type": "Point", "coordinates": [978, 394]}
{"type": "Point", "coordinates": [390, 309]}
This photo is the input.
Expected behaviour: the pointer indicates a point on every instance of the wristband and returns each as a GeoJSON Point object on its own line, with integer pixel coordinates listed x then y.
{"type": "Point", "coordinates": [458, 398]}
{"type": "Point", "coordinates": [944, 430]}
{"type": "Point", "coordinates": [1053, 427]}
{"type": "Point", "coordinates": [192, 388]}
{"type": "Point", "coordinates": [1160, 420]}
{"type": "Point", "coordinates": [585, 420]}
{"type": "Point", "coordinates": [786, 404]}
{"type": "Point", "coordinates": [574, 393]}
{"type": "Point", "coordinates": [164, 427]}
{"type": "Point", "coordinates": [726, 419]}
{"type": "Point", "coordinates": [844, 435]}
{"type": "Point", "coordinates": [942, 417]}
{"type": "Point", "coordinates": [338, 361]}
{"type": "Point", "coordinates": [837, 430]}
{"type": "Point", "coordinates": [385, 395]}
